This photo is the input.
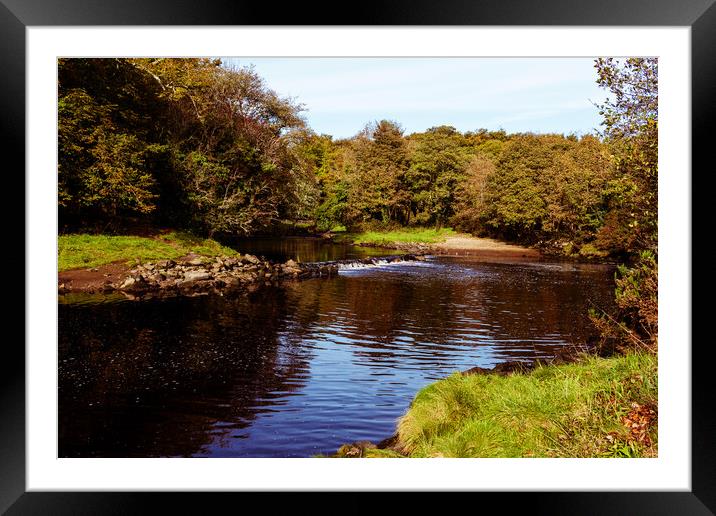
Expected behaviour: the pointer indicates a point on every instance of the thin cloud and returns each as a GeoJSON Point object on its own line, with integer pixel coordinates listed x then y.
{"type": "Point", "coordinates": [342, 94]}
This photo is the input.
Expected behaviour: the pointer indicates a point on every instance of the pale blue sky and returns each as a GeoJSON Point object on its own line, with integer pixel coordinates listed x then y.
{"type": "Point", "coordinates": [341, 95]}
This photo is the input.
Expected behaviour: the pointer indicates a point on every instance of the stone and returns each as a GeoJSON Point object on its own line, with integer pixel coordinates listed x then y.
{"type": "Point", "coordinates": [250, 258]}
{"type": "Point", "coordinates": [291, 264]}
{"type": "Point", "coordinates": [133, 283]}
{"type": "Point", "coordinates": [196, 276]}
{"type": "Point", "coordinates": [127, 283]}
{"type": "Point", "coordinates": [196, 261]}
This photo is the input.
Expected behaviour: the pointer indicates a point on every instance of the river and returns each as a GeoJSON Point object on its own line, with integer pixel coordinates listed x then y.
{"type": "Point", "coordinates": [298, 369]}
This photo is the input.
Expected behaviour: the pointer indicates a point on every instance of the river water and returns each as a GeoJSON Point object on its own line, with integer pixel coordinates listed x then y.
{"type": "Point", "coordinates": [299, 369]}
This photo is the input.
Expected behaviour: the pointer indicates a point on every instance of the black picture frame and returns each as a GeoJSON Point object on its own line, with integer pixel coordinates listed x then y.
{"type": "Point", "coordinates": [17, 15]}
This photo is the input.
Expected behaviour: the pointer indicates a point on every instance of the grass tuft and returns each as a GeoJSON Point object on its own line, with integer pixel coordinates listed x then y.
{"type": "Point", "coordinates": [405, 235]}
{"type": "Point", "coordinates": [586, 409]}
{"type": "Point", "coordinates": [80, 251]}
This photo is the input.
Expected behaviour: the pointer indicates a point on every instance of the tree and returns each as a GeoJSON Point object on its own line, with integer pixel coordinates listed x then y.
{"type": "Point", "coordinates": [471, 195]}
{"type": "Point", "coordinates": [537, 189]}
{"type": "Point", "coordinates": [181, 141]}
{"type": "Point", "coordinates": [438, 158]}
{"type": "Point", "coordinates": [631, 129]}
{"type": "Point", "coordinates": [378, 191]}
{"type": "Point", "coordinates": [107, 148]}
{"type": "Point", "coordinates": [239, 172]}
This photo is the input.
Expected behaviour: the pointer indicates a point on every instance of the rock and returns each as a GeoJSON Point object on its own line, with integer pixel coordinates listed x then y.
{"type": "Point", "coordinates": [388, 443]}
{"type": "Point", "coordinates": [196, 276]}
{"type": "Point", "coordinates": [503, 368]}
{"type": "Point", "coordinates": [355, 450]}
{"type": "Point", "coordinates": [250, 258]}
{"type": "Point", "coordinates": [196, 261]}
{"type": "Point", "coordinates": [133, 283]}
{"type": "Point", "coordinates": [127, 283]}
{"type": "Point", "coordinates": [291, 264]}
{"type": "Point", "coordinates": [165, 264]}
{"type": "Point", "coordinates": [232, 282]}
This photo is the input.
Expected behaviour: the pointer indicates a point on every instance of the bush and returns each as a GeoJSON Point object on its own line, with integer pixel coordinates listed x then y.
{"type": "Point", "coordinates": [635, 323]}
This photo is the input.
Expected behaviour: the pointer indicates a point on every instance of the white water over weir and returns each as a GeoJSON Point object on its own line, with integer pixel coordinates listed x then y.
{"type": "Point", "coordinates": [364, 263]}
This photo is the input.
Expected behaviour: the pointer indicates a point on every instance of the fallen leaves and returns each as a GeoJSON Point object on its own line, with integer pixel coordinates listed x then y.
{"type": "Point", "coordinates": [637, 422]}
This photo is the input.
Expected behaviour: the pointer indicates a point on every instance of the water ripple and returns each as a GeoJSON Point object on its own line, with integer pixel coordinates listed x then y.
{"type": "Point", "coordinates": [300, 369]}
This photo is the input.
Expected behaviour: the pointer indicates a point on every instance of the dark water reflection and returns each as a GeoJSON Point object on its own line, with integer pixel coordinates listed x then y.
{"type": "Point", "coordinates": [297, 370]}
{"type": "Point", "coordinates": [305, 249]}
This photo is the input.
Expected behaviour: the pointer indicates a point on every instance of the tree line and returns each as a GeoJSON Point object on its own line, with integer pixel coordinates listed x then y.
{"type": "Point", "coordinates": [190, 143]}
{"type": "Point", "coordinates": [550, 190]}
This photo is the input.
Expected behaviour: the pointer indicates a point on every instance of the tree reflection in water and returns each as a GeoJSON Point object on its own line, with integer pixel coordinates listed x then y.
{"type": "Point", "coordinates": [299, 369]}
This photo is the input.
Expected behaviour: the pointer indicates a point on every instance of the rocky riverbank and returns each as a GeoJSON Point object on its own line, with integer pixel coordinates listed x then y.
{"type": "Point", "coordinates": [197, 275]}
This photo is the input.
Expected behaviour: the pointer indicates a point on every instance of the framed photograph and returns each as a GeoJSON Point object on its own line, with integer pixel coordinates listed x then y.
{"type": "Point", "coordinates": [282, 309]}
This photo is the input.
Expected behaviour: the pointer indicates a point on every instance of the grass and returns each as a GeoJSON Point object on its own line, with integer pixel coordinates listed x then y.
{"type": "Point", "coordinates": [404, 235]}
{"type": "Point", "coordinates": [81, 251]}
{"type": "Point", "coordinates": [572, 410]}
{"type": "Point", "coordinates": [600, 407]}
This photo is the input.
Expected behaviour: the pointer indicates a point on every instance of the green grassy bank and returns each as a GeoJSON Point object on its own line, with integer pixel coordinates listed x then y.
{"type": "Point", "coordinates": [402, 235]}
{"type": "Point", "coordinates": [600, 407]}
{"type": "Point", "coordinates": [86, 251]}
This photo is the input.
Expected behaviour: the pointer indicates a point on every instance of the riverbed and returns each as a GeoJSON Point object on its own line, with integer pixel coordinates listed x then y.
{"type": "Point", "coordinates": [298, 369]}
